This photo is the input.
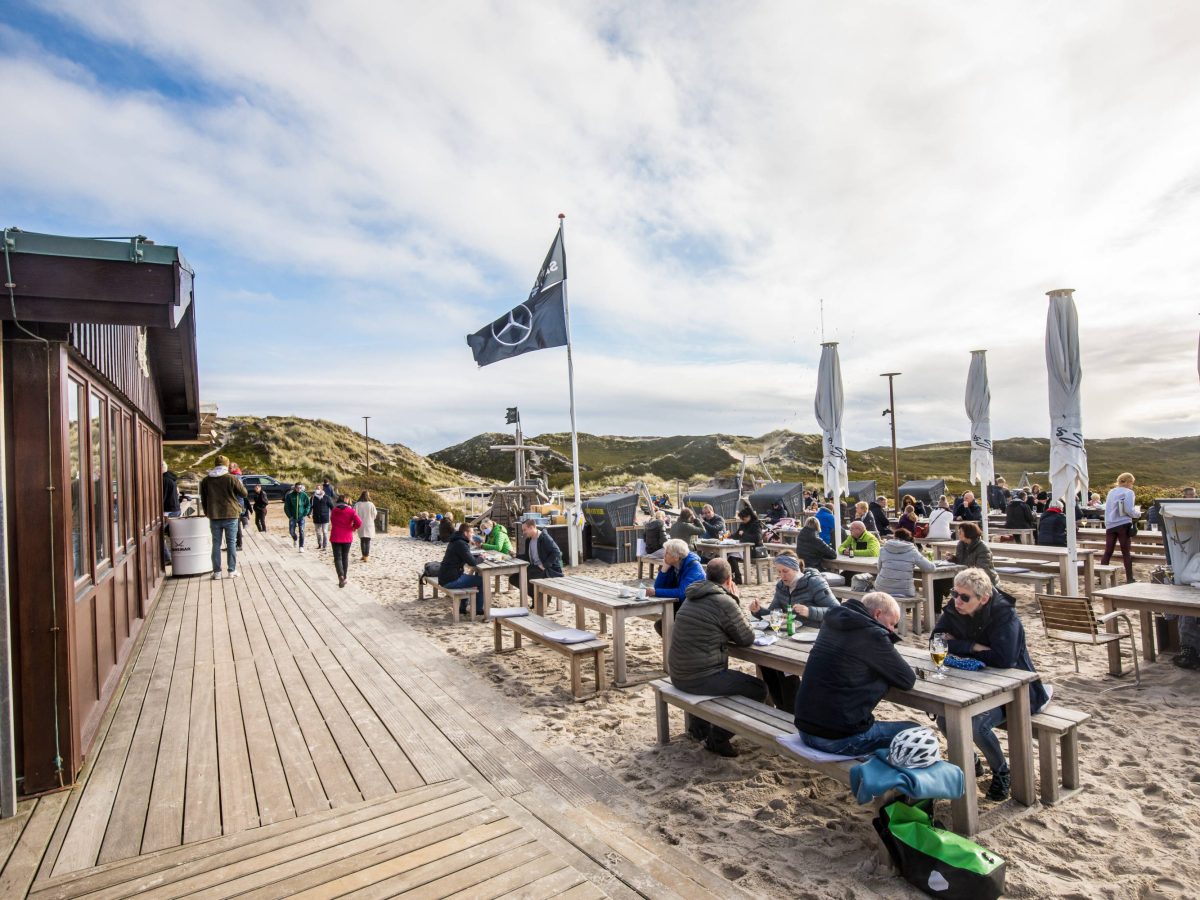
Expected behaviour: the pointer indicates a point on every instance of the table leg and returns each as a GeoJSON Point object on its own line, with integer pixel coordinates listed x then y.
{"type": "Point", "coordinates": [965, 809]}
{"type": "Point", "coordinates": [580, 621]}
{"type": "Point", "coordinates": [603, 623]}
{"type": "Point", "coordinates": [487, 597]}
{"type": "Point", "coordinates": [1149, 644]}
{"type": "Point", "coordinates": [668, 623]}
{"type": "Point", "coordinates": [539, 600]}
{"type": "Point", "coordinates": [1020, 747]}
{"type": "Point", "coordinates": [618, 645]}
{"type": "Point", "coordinates": [1089, 574]}
{"type": "Point", "coordinates": [1114, 647]}
{"type": "Point", "coordinates": [523, 578]}
{"type": "Point", "coordinates": [927, 586]}
{"type": "Point", "coordinates": [1064, 577]}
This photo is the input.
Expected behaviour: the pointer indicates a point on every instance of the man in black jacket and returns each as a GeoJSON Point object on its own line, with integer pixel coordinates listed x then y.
{"type": "Point", "coordinates": [1019, 514]}
{"type": "Point", "coordinates": [1052, 527]}
{"type": "Point", "coordinates": [170, 491]}
{"type": "Point", "coordinates": [455, 562]}
{"type": "Point", "coordinates": [878, 511]}
{"type": "Point", "coordinates": [714, 525]}
{"type": "Point", "coordinates": [967, 510]}
{"type": "Point", "coordinates": [542, 554]}
{"type": "Point", "coordinates": [852, 665]}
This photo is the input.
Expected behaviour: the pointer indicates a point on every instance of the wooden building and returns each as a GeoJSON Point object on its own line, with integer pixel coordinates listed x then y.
{"type": "Point", "coordinates": [99, 367]}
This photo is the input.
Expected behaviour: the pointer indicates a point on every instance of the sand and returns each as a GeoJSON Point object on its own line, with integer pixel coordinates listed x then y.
{"type": "Point", "coordinates": [779, 831]}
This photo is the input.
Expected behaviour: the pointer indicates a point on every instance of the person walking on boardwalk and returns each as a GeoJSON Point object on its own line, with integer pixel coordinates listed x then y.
{"type": "Point", "coordinates": [322, 507]}
{"type": "Point", "coordinates": [366, 511]}
{"type": "Point", "coordinates": [298, 507]}
{"type": "Point", "coordinates": [343, 522]}
{"type": "Point", "coordinates": [260, 501]}
{"type": "Point", "coordinates": [221, 496]}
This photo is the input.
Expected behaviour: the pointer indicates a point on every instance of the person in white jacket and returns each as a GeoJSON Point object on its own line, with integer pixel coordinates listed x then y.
{"type": "Point", "coordinates": [366, 511]}
{"type": "Point", "coordinates": [1118, 522]}
{"type": "Point", "coordinates": [897, 560]}
{"type": "Point", "coordinates": [940, 520]}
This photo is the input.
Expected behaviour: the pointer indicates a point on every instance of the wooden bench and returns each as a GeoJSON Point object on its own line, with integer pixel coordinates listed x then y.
{"type": "Point", "coordinates": [535, 628]}
{"type": "Point", "coordinates": [909, 606]}
{"type": "Point", "coordinates": [756, 722]}
{"type": "Point", "coordinates": [456, 595]}
{"type": "Point", "coordinates": [1056, 729]}
{"type": "Point", "coordinates": [1043, 582]}
{"type": "Point", "coordinates": [655, 563]}
{"type": "Point", "coordinates": [1105, 575]}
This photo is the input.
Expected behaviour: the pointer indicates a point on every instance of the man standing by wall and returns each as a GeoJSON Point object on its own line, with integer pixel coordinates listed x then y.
{"type": "Point", "coordinates": [221, 497]}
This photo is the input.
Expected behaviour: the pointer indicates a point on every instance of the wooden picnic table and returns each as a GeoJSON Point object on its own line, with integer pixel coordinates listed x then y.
{"type": "Point", "coordinates": [1147, 598]}
{"type": "Point", "coordinates": [1142, 537]}
{"type": "Point", "coordinates": [870, 565]}
{"type": "Point", "coordinates": [960, 696]}
{"type": "Point", "coordinates": [1041, 551]}
{"type": "Point", "coordinates": [1023, 535]}
{"type": "Point", "coordinates": [603, 597]}
{"type": "Point", "coordinates": [744, 549]}
{"type": "Point", "coordinates": [488, 569]}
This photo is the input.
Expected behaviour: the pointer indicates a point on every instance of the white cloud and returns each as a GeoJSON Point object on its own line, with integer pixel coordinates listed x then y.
{"type": "Point", "coordinates": [929, 170]}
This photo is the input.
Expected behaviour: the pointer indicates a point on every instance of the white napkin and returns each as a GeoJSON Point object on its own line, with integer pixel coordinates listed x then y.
{"type": "Point", "coordinates": [570, 636]}
{"type": "Point", "coordinates": [764, 640]}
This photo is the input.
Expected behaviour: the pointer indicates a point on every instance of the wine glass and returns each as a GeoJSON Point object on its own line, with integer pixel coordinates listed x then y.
{"type": "Point", "coordinates": [937, 652]}
{"type": "Point", "coordinates": [776, 619]}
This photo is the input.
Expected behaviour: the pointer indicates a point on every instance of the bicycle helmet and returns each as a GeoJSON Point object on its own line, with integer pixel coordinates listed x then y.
{"type": "Point", "coordinates": [914, 748]}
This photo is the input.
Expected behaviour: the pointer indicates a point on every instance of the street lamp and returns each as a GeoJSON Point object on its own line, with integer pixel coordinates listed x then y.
{"type": "Point", "coordinates": [891, 411]}
{"type": "Point", "coordinates": [367, 442]}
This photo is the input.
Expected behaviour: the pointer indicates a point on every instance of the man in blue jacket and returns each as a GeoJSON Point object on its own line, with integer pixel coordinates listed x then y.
{"type": "Point", "coordinates": [825, 517]}
{"type": "Point", "coordinates": [681, 568]}
{"type": "Point", "coordinates": [983, 624]}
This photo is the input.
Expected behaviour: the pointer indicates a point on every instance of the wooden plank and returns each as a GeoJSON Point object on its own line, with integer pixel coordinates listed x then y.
{"type": "Point", "coordinates": [477, 878]}
{"type": "Point", "coordinates": [544, 869]}
{"type": "Point", "coordinates": [26, 855]}
{"type": "Point", "coordinates": [166, 867]}
{"type": "Point", "coordinates": [270, 784]}
{"type": "Point", "coordinates": [11, 828]}
{"type": "Point", "coordinates": [239, 810]}
{"type": "Point", "coordinates": [226, 596]}
{"type": "Point", "coordinates": [304, 784]}
{"type": "Point", "coordinates": [164, 817]}
{"type": "Point", "coordinates": [202, 797]}
{"type": "Point", "coordinates": [123, 836]}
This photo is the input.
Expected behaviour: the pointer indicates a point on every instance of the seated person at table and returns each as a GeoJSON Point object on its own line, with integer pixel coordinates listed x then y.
{"type": "Point", "coordinates": [1041, 499]}
{"type": "Point", "coordinates": [749, 530]}
{"type": "Point", "coordinates": [655, 534]}
{"type": "Point", "coordinates": [971, 551]}
{"type": "Point", "coordinates": [920, 508]}
{"type": "Point", "coordinates": [685, 528]}
{"type": "Point", "coordinates": [879, 511]}
{"type": "Point", "coordinates": [457, 558]}
{"type": "Point", "coordinates": [897, 558]}
{"type": "Point", "coordinates": [543, 555]}
{"type": "Point", "coordinates": [808, 596]}
{"type": "Point", "coordinates": [810, 547]}
{"type": "Point", "coordinates": [1052, 527]}
{"type": "Point", "coordinates": [824, 515]}
{"type": "Point", "coordinates": [967, 509]}
{"type": "Point", "coordinates": [938, 528]}
{"type": "Point", "coordinates": [495, 537]}
{"type": "Point", "coordinates": [852, 665]}
{"type": "Point", "coordinates": [714, 525]}
{"type": "Point", "coordinates": [859, 542]}
{"type": "Point", "coordinates": [984, 625]}
{"type": "Point", "coordinates": [776, 512]}
{"type": "Point", "coordinates": [1019, 514]}
{"type": "Point", "coordinates": [908, 521]}
{"type": "Point", "coordinates": [698, 662]}
{"type": "Point", "coordinates": [681, 568]}
{"type": "Point", "coordinates": [862, 513]}
{"type": "Point", "coordinates": [1189, 493]}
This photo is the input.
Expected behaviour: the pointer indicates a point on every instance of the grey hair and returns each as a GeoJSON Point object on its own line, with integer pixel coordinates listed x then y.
{"type": "Point", "coordinates": [878, 601]}
{"type": "Point", "coordinates": [811, 522]}
{"type": "Point", "coordinates": [676, 547]}
{"type": "Point", "coordinates": [859, 524]}
{"type": "Point", "coordinates": [976, 581]}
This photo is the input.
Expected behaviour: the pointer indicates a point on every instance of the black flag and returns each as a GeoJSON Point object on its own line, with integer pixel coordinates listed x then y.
{"type": "Point", "coordinates": [511, 416]}
{"type": "Point", "coordinates": [538, 323]}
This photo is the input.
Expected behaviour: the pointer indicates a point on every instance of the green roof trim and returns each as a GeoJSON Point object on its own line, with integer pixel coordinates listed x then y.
{"type": "Point", "coordinates": [134, 249]}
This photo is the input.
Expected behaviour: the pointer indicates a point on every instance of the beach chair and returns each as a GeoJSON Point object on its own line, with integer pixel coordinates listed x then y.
{"type": "Point", "coordinates": [1072, 619]}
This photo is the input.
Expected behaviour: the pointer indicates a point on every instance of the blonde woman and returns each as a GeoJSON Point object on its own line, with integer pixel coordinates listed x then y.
{"type": "Point", "coordinates": [862, 513]}
{"type": "Point", "coordinates": [1118, 522]}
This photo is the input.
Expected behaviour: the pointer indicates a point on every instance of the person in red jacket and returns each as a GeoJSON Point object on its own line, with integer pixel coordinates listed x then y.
{"type": "Point", "coordinates": [343, 522]}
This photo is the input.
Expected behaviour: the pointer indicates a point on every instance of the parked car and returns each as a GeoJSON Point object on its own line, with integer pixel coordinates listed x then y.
{"type": "Point", "coordinates": [272, 488]}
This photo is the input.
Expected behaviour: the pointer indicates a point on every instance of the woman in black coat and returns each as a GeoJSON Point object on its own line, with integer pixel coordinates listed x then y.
{"type": "Point", "coordinates": [810, 548]}
{"type": "Point", "coordinates": [749, 531]}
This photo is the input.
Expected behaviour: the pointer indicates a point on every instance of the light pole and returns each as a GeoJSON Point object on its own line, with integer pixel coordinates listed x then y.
{"type": "Point", "coordinates": [367, 442]}
{"type": "Point", "coordinates": [891, 411]}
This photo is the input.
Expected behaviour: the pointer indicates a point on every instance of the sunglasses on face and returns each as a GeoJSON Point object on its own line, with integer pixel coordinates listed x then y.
{"type": "Point", "coordinates": [958, 595]}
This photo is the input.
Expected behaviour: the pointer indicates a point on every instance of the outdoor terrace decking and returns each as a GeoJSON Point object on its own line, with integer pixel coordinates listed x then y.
{"type": "Point", "coordinates": [266, 721]}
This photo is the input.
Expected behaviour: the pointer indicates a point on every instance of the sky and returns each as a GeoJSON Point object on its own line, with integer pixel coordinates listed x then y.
{"type": "Point", "coordinates": [360, 185]}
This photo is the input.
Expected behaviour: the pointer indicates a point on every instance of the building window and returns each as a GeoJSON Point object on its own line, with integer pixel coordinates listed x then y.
{"type": "Point", "coordinates": [75, 476]}
{"type": "Point", "coordinates": [100, 513]}
{"type": "Point", "coordinates": [116, 461]}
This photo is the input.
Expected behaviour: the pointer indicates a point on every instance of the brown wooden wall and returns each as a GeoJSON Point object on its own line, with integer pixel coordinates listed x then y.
{"type": "Point", "coordinates": [112, 350]}
{"type": "Point", "coordinates": [85, 558]}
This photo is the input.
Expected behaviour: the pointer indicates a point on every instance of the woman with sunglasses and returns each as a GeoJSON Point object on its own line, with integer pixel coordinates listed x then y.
{"type": "Point", "coordinates": [982, 623]}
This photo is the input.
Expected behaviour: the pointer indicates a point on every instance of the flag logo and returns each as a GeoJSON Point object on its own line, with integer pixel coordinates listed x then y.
{"type": "Point", "coordinates": [518, 327]}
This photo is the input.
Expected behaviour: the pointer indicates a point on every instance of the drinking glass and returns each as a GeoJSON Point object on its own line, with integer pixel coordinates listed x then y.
{"type": "Point", "coordinates": [937, 652]}
{"type": "Point", "coordinates": [776, 619]}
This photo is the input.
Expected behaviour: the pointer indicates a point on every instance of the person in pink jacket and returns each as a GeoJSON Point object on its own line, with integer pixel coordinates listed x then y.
{"type": "Point", "coordinates": [343, 522]}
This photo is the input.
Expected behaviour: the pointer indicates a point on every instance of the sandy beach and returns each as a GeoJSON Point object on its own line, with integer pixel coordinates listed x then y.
{"type": "Point", "coordinates": [779, 831]}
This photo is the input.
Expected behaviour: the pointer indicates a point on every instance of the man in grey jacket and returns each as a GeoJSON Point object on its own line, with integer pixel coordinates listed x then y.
{"type": "Point", "coordinates": [698, 661]}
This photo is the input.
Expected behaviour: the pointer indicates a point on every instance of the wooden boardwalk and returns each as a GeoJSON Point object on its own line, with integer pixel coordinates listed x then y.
{"type": "Point", "coordinates": [276, 735]}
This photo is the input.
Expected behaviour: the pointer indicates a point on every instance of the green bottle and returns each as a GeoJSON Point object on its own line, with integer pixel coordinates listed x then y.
{"type": "Point", "coordinates": [791, 622]}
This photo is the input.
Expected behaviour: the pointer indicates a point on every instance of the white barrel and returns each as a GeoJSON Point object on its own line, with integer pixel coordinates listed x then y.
{"type": "Point", "coordinates": [191, 545]}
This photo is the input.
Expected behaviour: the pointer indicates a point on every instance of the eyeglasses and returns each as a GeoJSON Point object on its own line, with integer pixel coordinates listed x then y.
{"type": "Point", "coordinates": [958, 595]}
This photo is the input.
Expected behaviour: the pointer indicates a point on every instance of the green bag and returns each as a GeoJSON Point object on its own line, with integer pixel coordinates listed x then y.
{"type": "Point", "coordinates": [941, 863]}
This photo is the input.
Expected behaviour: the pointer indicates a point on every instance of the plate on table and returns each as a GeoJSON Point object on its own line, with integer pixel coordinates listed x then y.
{"type": "Point", "coordinates": [805, 637]}
{"type": "Point", "coordinates": [760, 625]}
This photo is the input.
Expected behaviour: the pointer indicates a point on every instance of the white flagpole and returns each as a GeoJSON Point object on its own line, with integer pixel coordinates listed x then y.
{"type": "Point", "coordinates": [575, 519]}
